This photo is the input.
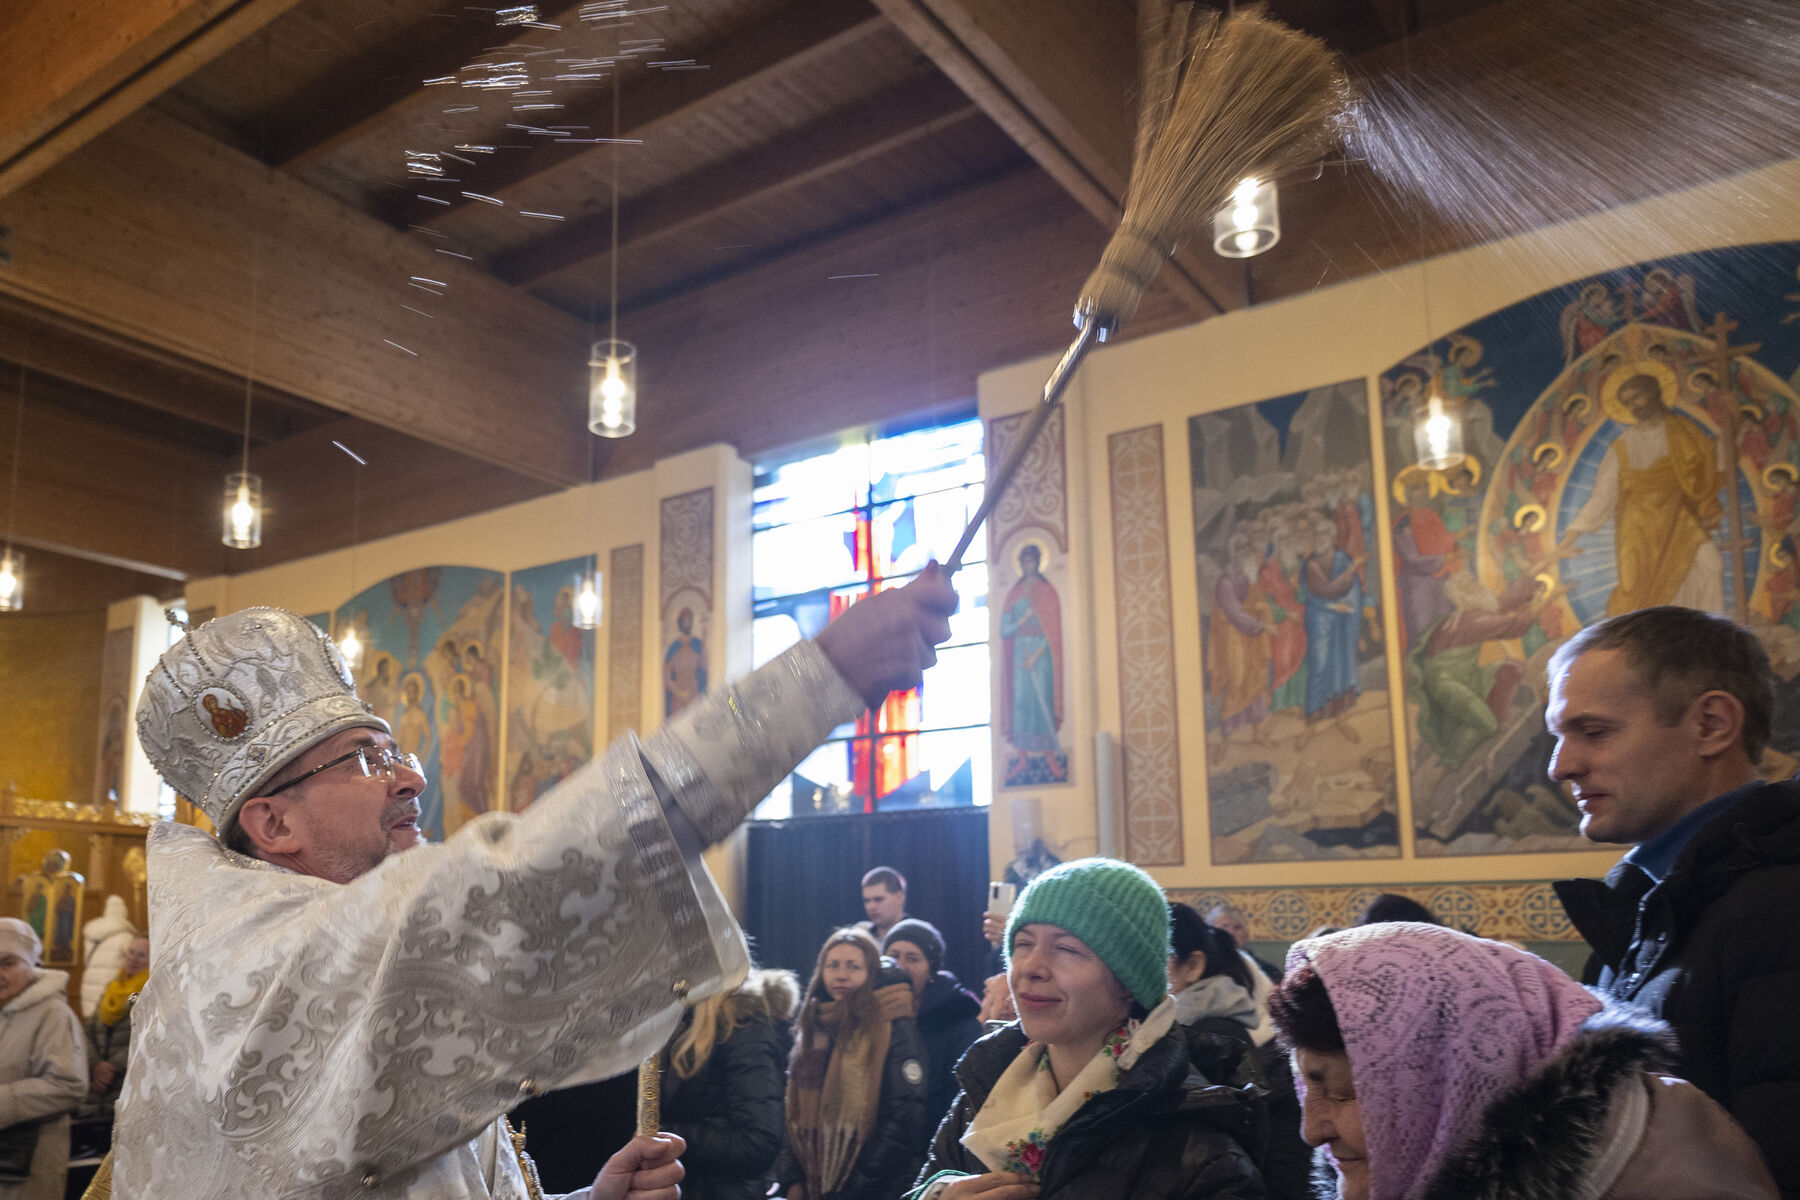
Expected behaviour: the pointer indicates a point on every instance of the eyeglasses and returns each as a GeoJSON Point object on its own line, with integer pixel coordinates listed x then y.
{"type": "Point", "coordinates": [375, 762]}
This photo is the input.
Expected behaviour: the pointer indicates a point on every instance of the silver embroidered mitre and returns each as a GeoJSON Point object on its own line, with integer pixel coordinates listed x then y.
{"type": "Point", "coordinates": [238, 699]}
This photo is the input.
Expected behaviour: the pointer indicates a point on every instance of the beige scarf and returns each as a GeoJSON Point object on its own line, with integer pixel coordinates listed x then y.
{"type": "Point", "coordinates": [834, 1089]}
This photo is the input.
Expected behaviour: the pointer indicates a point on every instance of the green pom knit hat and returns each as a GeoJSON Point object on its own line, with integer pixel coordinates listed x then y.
{"type": "Point", "coordinates": [1115, 908]}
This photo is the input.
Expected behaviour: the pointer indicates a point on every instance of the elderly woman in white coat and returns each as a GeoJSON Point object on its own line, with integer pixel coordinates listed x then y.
{"type": "Point", "coordinates": [43, 1065]}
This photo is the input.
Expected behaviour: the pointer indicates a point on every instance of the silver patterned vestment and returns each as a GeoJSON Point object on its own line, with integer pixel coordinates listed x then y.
{"type": "Point", "coordinates": [303, 1038]}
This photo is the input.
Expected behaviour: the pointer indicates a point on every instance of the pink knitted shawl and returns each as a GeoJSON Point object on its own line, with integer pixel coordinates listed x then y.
{"type": "Point", "coordinates": [1438, 1025]}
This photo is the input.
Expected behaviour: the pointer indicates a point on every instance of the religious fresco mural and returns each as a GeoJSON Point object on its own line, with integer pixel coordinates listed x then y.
{"type": "Point", "coordinates": [1299, 743]}
{"type": "Point", "coordinates": [1030, 572]}
{"type": "Point", "coordinates": [550, 681]}
{"type": "Point", "coordinates": [115, 720]}
{"type": "Point", "coordinates": [685, 568]}
{"type": "Point", "coordinates": [1597, 475]}
{"type": "Point", "coordinates": [430, 667]}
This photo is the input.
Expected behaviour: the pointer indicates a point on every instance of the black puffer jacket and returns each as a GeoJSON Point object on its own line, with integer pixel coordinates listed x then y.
{"type": "Point", "coordinates": [732, 1112]}
{"type": "Point", "coordinates": [890, 1158]}
{"type": "Point", "coordinates": [1164, 1133]}
{"type": "Point", "coordinates": [1714, 950]}
{"type": "Point", "coordinates": [949, 1021]}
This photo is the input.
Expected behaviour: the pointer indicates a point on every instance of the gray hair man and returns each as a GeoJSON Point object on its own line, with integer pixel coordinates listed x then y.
{"type": "Point", "coordinates": [340, 1010]}
{"type": "Point", "coordinates": [1660, 718]}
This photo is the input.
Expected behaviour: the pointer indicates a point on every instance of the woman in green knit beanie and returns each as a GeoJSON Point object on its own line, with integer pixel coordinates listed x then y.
{"type": "Point", "coordinates": [1091, 1092]}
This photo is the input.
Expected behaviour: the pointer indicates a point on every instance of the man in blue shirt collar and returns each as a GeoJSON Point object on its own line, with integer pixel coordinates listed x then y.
{"type": "Point", "coordinates": [1660, 718]}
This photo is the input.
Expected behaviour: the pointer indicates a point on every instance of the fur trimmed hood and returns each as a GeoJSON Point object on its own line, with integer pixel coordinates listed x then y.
{"type": "Point", "coordinates": [1553, 1137]}
{"type": "Point", "coordinates": [766, 992]}
{"type": "Point", "coordinates": [1541, 1138]}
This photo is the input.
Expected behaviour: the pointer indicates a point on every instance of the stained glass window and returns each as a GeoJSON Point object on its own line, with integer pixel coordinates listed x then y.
{"type": "Point", "coordinates": [832, 528]}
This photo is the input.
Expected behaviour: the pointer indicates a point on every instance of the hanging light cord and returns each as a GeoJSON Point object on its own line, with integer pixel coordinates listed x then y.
{"type": "Point", "coordinates": [12, 503]}
{"type": "Point", "coordinates": [255, 332]}
{"type": "Point", "coordinates": [613, 258]}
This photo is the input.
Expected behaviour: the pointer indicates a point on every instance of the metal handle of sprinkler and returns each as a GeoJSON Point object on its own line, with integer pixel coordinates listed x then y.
{"type": "Point", "coordinates": [1094, 326]}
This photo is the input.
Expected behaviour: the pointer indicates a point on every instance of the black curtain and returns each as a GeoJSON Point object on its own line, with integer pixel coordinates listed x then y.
{"type": "Point", "coordinates": [804, 879]}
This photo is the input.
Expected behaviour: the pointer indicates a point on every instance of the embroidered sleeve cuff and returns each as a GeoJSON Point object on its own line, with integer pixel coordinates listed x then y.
{"type": "Point", "coordinates": [723, 754]}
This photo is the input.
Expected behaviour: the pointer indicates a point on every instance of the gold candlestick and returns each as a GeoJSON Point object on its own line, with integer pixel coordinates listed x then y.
{"type": "Point", "coordinates": [649, 1106]}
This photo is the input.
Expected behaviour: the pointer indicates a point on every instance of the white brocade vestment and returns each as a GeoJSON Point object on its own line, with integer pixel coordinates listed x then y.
{"type": "Point", "coordinates": [303, 1038]}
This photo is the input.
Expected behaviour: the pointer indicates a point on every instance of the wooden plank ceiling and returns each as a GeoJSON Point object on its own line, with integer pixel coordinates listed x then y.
{"type": "Point", "coordinates": [831, 213]}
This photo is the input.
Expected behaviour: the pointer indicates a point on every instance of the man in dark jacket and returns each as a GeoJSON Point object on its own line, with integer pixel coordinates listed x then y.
{"type": "Point", "coordinates": [1660, 717]}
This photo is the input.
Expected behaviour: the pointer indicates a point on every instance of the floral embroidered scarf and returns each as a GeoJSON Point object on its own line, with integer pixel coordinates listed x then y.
{"type": "Point", "coordinates": [1023, 1112]}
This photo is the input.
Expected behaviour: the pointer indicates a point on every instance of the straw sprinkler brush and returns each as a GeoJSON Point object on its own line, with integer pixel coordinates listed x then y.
{"type": "Point", "coordinates": [1224, 98]}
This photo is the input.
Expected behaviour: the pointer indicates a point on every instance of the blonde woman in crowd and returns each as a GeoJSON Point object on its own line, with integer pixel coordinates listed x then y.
{"type": "Point", "coordinates": [725, 1083]}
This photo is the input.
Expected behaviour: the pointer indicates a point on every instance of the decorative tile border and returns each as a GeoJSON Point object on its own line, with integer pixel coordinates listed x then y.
{"type": "Point", "coordinates": [1038, 497]}
{"type": "Point", "coordinates": [1146, 640]}
{"type": "Point", "coordinates": [625, 641]}
{"type": "Point", "coordinates": [1518, 912]}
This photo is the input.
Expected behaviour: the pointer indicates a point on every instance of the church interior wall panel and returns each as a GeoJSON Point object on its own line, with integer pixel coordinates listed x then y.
{"type": "Point", "coordinates": [432, 657]}
{"type": "Point", "coordinates": [116, 733]}
{"type": "Point", "coordinates": [1028, 541]}
{"type": "Point", "coordinates": [50, 682]}
{"type": "Point", "coordinates": [549, 680]}
{"type": "Point", "coordinates": [1299, 743]}
{"type": "Point", "coordinates": [625, 638]}
{"type": "Point", "coordinates": [1362, 330]}
{"type": "Point", "coordinates": [1150, 751]}
{"type": "Point", "coordinates": [1581, 496]}
{"type": "Point", "coordinates": [685, 597]}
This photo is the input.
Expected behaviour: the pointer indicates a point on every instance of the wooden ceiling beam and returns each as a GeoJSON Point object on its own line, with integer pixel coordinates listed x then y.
{"type": "Point", "coordinates": [364, 92]}
{"type": "Point", "coordinates": [104, 407]}
{"type": "Point", "coordinates": [792, 41]}
{"type": "Point", "coordinates": [90, 489]}
{"type": "Point", "coordinates": [1516, 88]}
{"type": "Point", "coordinates": [944, 290]}
{"type": "Point", "coordinates": [48, 344]}
{"type": "Point", "coordinates": [73, 71]}
{"type": "Point", "coordinates": [191, 230]}
{"type": "Point", "coordinates": [60, 582]}
{"type": "Point", "coordinates": [317, 500]}
{"type": "Point", "coordinates": [1060, 78]}
{"type": "Point", "coordinates": [831, 145]}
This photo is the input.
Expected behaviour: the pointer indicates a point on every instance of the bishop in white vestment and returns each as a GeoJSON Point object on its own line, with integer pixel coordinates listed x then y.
{"type": "Point", "coordinates": [304, 1037]}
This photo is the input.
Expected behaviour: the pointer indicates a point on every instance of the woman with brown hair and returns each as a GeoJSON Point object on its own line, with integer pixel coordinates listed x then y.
{"type": "Point", "coordinates": [856, 1085]}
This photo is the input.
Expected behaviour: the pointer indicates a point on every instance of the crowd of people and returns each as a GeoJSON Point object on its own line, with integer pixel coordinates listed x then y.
{"type": "Point", "coordinates": [342, 1010]}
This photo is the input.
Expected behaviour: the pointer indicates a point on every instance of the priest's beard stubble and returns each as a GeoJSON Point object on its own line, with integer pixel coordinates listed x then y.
{"type": "Point", "coordinates": [346, 860]}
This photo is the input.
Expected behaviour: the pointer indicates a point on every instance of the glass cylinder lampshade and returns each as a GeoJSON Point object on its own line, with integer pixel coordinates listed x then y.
{"type": "Point", "coordinates": [587, 603]}
{"type": "Point", "coordinates": [12, 580]}
{"type": "Point", "coordinates": [242, 518]}
{"type": "Point", "coordinates": [351, 647]}
{"type": "Point", "coordinates": [1438, 433]}
{"type": "Point", "coordinates": [1250, 222]}
{"type": "Point", "coordinates": [612, 388]}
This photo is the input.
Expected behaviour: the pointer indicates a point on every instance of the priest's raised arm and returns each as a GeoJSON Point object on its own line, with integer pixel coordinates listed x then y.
{"type": "Point", "coordinates": [330, 1017]}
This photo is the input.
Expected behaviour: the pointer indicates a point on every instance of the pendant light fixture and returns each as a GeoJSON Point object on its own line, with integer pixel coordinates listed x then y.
{"type": "Point", "coordinates": [12, 560]}
{"type": "Point", "coordinates": [612, 362]}
{"type": "Point", "coordinates": [242, 518]}
{"type": "Point", "coordinates": [1250, 222]}
{"type": "Point", "coordinates": [1437, 418]}
{"type": "Point", "coordinates": [349, 645]}
{"type": "Point", "coordinates": [587, 605]}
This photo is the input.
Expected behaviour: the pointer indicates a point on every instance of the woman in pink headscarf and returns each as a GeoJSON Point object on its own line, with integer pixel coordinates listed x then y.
{"type": "Point", "coordinates": [1434, 1065]}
